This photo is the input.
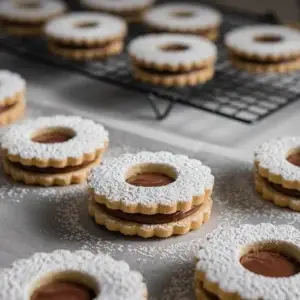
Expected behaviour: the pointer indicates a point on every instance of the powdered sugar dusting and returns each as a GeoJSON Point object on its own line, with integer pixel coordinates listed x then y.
{"type": "Point", "coordinates": [118, 5]}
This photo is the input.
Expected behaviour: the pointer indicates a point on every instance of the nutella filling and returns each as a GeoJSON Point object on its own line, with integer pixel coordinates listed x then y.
{"type": "Point", "coordinates": [262, 62]}
{"type": "Point", "coordinates": [149, 179]}
{"type": "Point", "coordinates": [149, 219]}
{"type": "Point", "coordinates": [294, 159]}
{"type": "Point", "coordinates": [62, 45]}
{"type": "Point", "coordinates": [270, 264]}
{"type": "Point", "coordinates": [289, 192]}
{"type": "Point", "coordinates": [52, 137]}
{"type": "Point", "coordinates": [63, 290]}
{"type": "Point", "coordinates": [165, 72]}
{"type": "Point", "coordinates": [6, 108]}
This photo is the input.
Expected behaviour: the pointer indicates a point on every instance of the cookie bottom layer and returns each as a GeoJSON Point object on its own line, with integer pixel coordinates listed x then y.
{"type": "Point", "coordinates": [267, 192]}
{"type": "Point", "coordinates": [89, 53]}
{"type": "Point", "coordinates": [48, 179]}
{"type": "Point", "coordinates": [175, 79]}
{"type": "Point", "coordinates": [183, 226]}
{"type": "Point", "coordinates": [265, 67]}
{"type": "Point", "coordinates": [13, 113]}
{"type": "Point", "coordinates": [201, 294]}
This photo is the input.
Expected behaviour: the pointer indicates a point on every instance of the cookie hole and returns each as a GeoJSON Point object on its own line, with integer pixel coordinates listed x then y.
{"type": "Point", "coordinates": [150, 175]}
{"type": "Point", "coordinates": [272, 259]}
{"type": "Point", "coordinates": [53, 135]}
{"type": "Point", "coordinates": [294, 157]}
{"type": "Point", "coordinates": [183, 14]}
{"type": "Point", "coordinates": [175, 47]}
{"type": "Point", "coordinates": [268, 38]}
{"type": "Point", "coordinates": [65, 285]}
{"type": "Point", "coordinates": [86, 25]}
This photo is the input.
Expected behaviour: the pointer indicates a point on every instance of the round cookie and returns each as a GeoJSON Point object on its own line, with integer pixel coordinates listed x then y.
{"type": "Point", "coordinates": [57, 150]}
{"type": "Point", "coordinates": [172, 59]}
{"type": "Point", "coordinates": [130, 10]}
{"type": "Point", "coordinates": [264, 48]}
{"type": "Point", "coordinates": [86, 36]}
{"type": "Point", "coordinates": [277, 171]}
{"type": "Point", "coordinates": [151, 194]}
{"type": "Point", "coordinates": [184, 18]}
{"type": "Point", "coordinates": [27, 18]}
{"type": "Point", "coordinates": [12, 97]}
{"type": "Point", "coordinates": [249, 262]}
{"type": "Point", "coordinates": [79, 275]}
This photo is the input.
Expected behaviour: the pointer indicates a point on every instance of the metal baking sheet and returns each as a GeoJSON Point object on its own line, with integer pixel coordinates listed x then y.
{"type": "Point", "coordinates": [35, 219]}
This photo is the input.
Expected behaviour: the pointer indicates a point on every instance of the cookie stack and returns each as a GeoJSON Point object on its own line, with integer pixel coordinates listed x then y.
{"type": "Point", "coordinates": [57, 150]}
{"type": "Point", "coordinates": [151, 194]}
{"type": "Point", "coordinates": [12, 97]}
{"type": "Point", "coordinates": [172, 59]}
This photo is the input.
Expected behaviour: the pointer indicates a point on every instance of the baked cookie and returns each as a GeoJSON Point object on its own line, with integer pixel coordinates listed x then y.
{"type": "Point", "coordinates": [57, 150]}
{"type": "Point", "coordinates": [27, 18]}
{"type": "Point", "coordinates": [277, 171]}
{"type": "Point", "coordinates": [249, 262]}
{"type": "Point", "coordinates": [130, 10]}
{"type": "Point", "coordinates": [172, 59]}
{"type": "Point", "coordinates": [79, 275]}
{"type": "Point", "coordinates": [12, 97]}
{"type": "Point", "coordinates": [86, 36]}
{"type": "Point", "coordinates": [151, 194]}
{"type": "Point", "coordinates": [264, 48]}
{"type": "Point", "coordinates": [194, 19]}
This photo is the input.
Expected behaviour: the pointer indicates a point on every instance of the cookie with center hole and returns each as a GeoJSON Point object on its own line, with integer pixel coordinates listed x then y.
{"type": "Point", "coordinates": [195, 19]}
{"type": "Point", "coordinates": [79, 275]}
{"type": "Point", "coordinates": [130, 10]}
{"type": "Point", "coordinates": [86, 35]}
{"type": "Point", "coordinates": [151, 194]}
{"type": "Point", "coordinates": [249, 262]}
{"type": "Point", "coordinates": [57, 150]}
{"type": "Point", "coordinates": [27, 18]}
{"type": "Point", "coordinates": [172, 59]}
{"type": "Point", "coordinates": [277, 171]}
{"type": "Point", "coordinates": [264, 48]}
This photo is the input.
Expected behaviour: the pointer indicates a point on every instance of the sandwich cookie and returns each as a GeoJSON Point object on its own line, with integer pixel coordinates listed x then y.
{"type": "Point", "coordinates": [79, 275]}
{"type": "Point", "coordinates": [28, 17]}
{"type": "Point", "coordinates": [249, 262]}
{"type": "Point", "coordinates": [172, 59]}
{"type": "Point", "coordinates": [12, 97]}
{"type": "Point", "coordinates": [277, 171]}
{"type": "Point", "coordinates": [151, 194]}
{"type": "Point", "coordinates": [264, 48]}
{"type": "Point", "coordinates": [130, 10]}
{"type": "Point", "coordinates": [57, 150]}
{"type": "Point", "coordinates": [86, 36]}
{"type": "Point", "coordinates": [194, 19]}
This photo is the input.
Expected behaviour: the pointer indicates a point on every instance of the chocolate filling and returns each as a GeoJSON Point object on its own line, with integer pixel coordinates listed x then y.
{"type": "Point", "coordinates": [52, 137]}
{"type": "Point", "coordinates": [270, 264]}
{"type": "Point", "coordinates": [149, 219]}
{"type": "Point", "coordinates": [63, 290]}
{"type": "Point", "coordinates": [289, 192]}
{"type": "Point", "coordinates": [262, 62]}
{"type": "Point", "coordinates": [149, 179]}
{"type": "Point", "coordinates": [294, 159]}
{"type": "Point", "coordinates": [62, 45]}
{"type": "Point", "coordinates": [15, 23]}
{"type": "Point", "coordinates": [165, 72]}
{"type": "Point", "coordinates": [6, 108]}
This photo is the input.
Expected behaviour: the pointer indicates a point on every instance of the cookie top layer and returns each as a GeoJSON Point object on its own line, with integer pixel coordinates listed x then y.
{"type": "Point", "coordinates": [111, 279]}
{"type": "Point", "coordinates": [86, 26]}
{"type": "Point", "coordinates": [86, 137]}
{"type": "Point", "coordinates": [157, 49]}
{"type": "Point", "coordinates": [10, 85]}
{"type": "Point", "coordinates": [30, 13]}
{"type": "Point", "coordinates": [219, 259]}
{"type": "Point", "coordinates": [118, 5]}
{"type": "Point", "coordinates": [183, 17]}
{"type": "Point", "coordinates": [264, 40]}
{"type": "Point", "coordinates": [191, 179]}
{"type": "Point", "coordinates": [273, 156]}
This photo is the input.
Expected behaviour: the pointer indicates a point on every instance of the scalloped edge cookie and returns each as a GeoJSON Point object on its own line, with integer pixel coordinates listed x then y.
{"type": "Point", "coordinates": [16, 112]}
{"type": "Point", "coordinates": [181, 227]}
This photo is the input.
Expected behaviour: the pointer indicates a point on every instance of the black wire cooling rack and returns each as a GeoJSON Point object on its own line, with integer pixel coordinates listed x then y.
{"type": "Point", "coordinates": [233, 94]}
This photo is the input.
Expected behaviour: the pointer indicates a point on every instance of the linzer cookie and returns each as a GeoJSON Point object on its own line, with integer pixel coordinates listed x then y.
{"type": "Point", "coordinates": [86, 36]}
{"type": "Point", "coordinates": [57, 150]}
{"type": "Point", "coordinates": [151, 194]}
{"type": "Point", "coordinates": [79, 275]}
{"type": "Point", "coordinates": [172, 59]}
{"type": "Point", "coordinates": [249, 262]}
{"type": "Point", "coordinates": [264, 48]}
{"type": "Point", "coordinates": [28, 17]}
{"type": "Point", "coordinates": [194, 19]}
{"type": "Point", "coordinates": [277, 171]}
{"type": "Point", "coordinates": [12, 97]}
{"type": "Point", "coordinates": [130, 10]}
